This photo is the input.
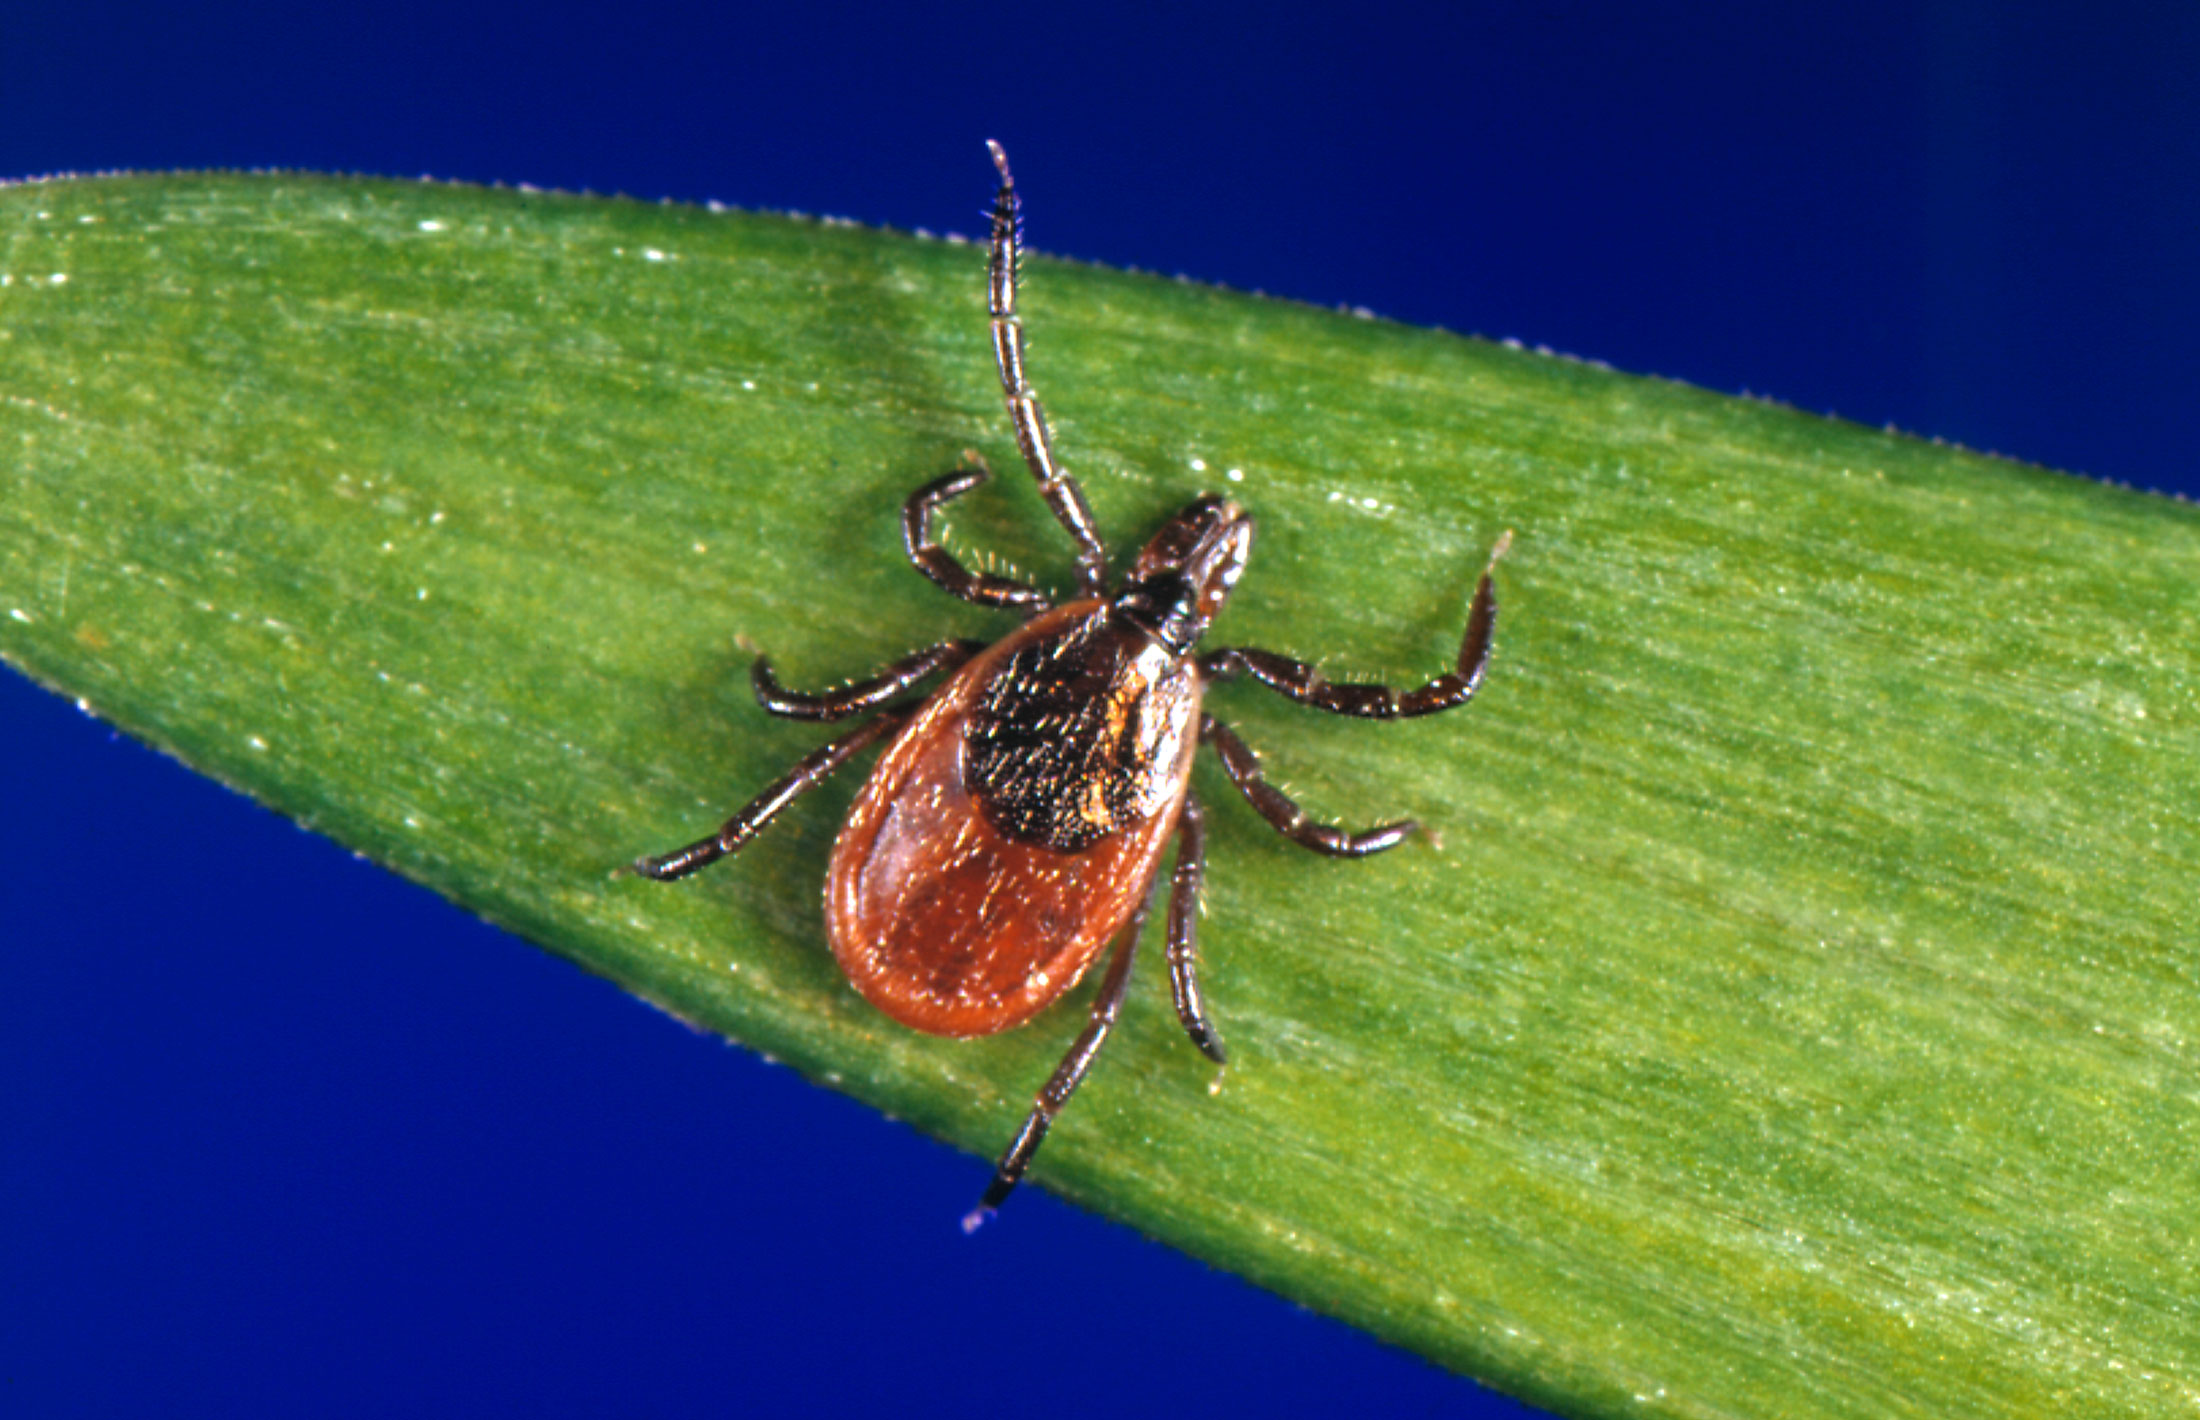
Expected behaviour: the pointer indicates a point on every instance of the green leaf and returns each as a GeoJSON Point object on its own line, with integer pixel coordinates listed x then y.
{"type": "Point", "coordinates": [1796, 1018]}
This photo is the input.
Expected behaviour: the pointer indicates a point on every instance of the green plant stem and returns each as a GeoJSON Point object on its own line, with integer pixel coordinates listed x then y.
{"type": "Point", "coordinates": [1796, 1017]}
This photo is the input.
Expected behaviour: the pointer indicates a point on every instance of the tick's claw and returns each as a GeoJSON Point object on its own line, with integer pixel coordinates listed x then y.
{"type": "Point", "coordinates": [1210, 1045]}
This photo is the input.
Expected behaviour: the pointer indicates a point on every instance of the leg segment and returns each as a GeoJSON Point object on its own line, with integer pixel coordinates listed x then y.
{"type": "Point", "coordinates": [1183, 949]}
{"type": "Point", "coordinates": [745, 825]}
{"type": "Point", "coordinates": [936, 562]}
{"type": "Point", "coordinates": [863, 694]}
{"type": "Point", "coordinates": [1286, 817]}
{"type": "Point", "coordinates": [1030, 421]}
{"type": "Point", "coordinates": [1307, 685]}
{"type": "Point", "coordinates": [1067, 1076]}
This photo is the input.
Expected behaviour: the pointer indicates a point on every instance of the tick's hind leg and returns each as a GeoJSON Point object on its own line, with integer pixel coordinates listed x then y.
{"type": "Point", "coordinates": [745, 825]}
{"type": "Point", "coordinates": [939, 564]}
{"type": "Point", "coordinates": [863, 694]}
{"type": "Point", "coordinates": [1305, 684]}
{"type": "Point", "coordinates": [1030, 421]}
{"type": "Point", "coordinates": [1183, 948]}
{"type": "Point", "coordinates": [1068, 1075]}
{"type": "Point", "coordinates": [1286, 817]}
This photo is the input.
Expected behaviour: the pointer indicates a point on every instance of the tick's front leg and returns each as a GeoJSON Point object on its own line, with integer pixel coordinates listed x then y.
{"type": "Point", "coordinates": [1308, 686]}
{"type": "Point", "coordinates": [1029, 420]}
{"type": "Point", "coordinates": [1286, 817]}
{"type": "Point", "coordinates": [939, 564]}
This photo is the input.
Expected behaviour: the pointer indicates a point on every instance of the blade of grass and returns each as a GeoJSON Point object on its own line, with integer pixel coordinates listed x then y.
{"type": "Point", "coordinates": [1796, 1017]}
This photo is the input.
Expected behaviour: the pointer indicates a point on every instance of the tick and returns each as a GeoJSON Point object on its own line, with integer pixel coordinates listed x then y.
{"type": "Point", "coordinates": [1016, 823]}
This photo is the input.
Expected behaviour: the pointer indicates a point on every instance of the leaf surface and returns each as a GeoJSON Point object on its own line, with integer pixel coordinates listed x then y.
{"type": "Point", "coordinates": [1796, 1017]}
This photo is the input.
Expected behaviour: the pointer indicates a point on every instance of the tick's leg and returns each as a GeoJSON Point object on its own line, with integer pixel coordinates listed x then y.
{"type": "Point", "coordinates": [936, 562]}
{"type": "Point", "coordinates": [1283, 815]}
{"type": "Point", "coordinates": [1306, 685]}
{"type": "Point", "coordinates": [1030, 421]}
{"type": "Point", "coordinates": [745, 825]}
{"type": "Point", "coordinates": [1183, 948]}
{"type": "Point", "coordinates": [1067, 1075]}
{"type": "Point", "coordinates": [863, 694]}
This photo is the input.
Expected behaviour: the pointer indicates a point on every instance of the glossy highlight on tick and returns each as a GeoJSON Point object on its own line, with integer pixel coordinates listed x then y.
{"type": "Point", "coordinates": [1015, 826]}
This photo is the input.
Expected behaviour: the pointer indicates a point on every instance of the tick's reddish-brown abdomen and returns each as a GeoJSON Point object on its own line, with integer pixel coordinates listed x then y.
{"type": "Point", "coordinates": [953, 928]}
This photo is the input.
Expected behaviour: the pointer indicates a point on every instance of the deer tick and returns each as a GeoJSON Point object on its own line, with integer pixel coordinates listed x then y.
{"type": "Point", "coordinates": [1015, 825]}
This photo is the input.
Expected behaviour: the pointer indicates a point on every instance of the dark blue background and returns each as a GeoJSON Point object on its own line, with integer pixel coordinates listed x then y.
{"type": "Point", "coordinates": [419, 1166]}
